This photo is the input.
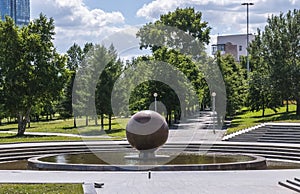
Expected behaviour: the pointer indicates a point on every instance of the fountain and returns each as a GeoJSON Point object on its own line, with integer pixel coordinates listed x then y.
{"type": "Point", "coordinates": [146, 132]}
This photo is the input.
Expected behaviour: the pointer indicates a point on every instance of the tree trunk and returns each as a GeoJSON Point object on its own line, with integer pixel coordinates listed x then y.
{"type": "Point", "coordinates": [287, 106]}
{"type": "Point", "coordinates": [109, 122]}
{"type": "Point", "coordinates": [102, 122]}
{"type": "Point", "coordinates": [86, 120]}
{"type": "Point", "coordinates": [298, 107]}
{"type": "Point", "coordinates": [96, 120]}
{"type": "Point", "coordinates": [29, 121]}
{"type": "Point", "coordinates": [22, 122]}
{"type": "Point", "coordinates": [75, 123]}
{"type": "Point", "coordinates": [170, 118]}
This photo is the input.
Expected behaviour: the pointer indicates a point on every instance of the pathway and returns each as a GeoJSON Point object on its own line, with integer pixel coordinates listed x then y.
{"type": "Point", "coordinates": [233, 182]}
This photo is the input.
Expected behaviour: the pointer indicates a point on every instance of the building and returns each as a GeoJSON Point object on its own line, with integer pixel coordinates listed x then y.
{"type": "Point", "coordinates": [232, 44]}
{"type": "Point", "coordinates": [19, 10]}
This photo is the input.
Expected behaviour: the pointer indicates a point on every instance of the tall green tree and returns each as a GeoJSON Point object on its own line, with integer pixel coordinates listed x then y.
{"type": "Point", "coordinates": [280, 51]}
{"type": "Point", "coordinates": [235, 82]}
{"type": "Point", "coordinates": [75, 56]}
{"type": "Point", "coordinates": [33, 72]}
{"type": "Point", "coordinates": [186, 20]}
{"type": "Point", "coordinates": [175, 38]}
{"type": "Point", "coordinates": [262, 94]}
{"type": "Point", "coordinates": [110, 74]}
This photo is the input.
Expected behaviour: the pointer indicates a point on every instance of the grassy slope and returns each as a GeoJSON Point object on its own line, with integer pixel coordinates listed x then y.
{"type": "Point", "coordinates": [248, 119]}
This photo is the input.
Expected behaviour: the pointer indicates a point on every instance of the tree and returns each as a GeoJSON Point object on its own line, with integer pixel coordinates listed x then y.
{"type": "Point", "coordinates": [261, 95]}
{"type": "Point", "coordinates": [186, 20]}
{"type": "Point", "coordinates": [105, 85]}
{"type": "Point", "coordinates": [178, 38]}
{"type": "Point", "coordinates": [281, 51]}
{"type": "Point", "coordinates": [74, 54]}
{"type": "Point", "coordinates": [75, 58]}
{"type": "Point", "coordinates": [33, 72]}
{"type": "Point", "coordinates": [235, 82]}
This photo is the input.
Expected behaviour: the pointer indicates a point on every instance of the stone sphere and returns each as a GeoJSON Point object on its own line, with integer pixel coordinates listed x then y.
{"type": "Point", "coordinates": [147, 130]}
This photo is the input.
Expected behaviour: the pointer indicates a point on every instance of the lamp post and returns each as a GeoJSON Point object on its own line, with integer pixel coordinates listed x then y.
{"type": "Point", "coordinates": [213, 94]}
{"type": "Point", "coordinates": [155, 102]}
{"type": "Point", "coordinates": [248, 65]}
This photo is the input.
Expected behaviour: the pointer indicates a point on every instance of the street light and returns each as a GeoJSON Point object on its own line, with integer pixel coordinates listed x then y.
{"type": "Point", "coordinates": [213, 94]}
{"type": "Point", "coordinates": [248, 65]}
{"type": "Point", "coordinates": [155, 102]}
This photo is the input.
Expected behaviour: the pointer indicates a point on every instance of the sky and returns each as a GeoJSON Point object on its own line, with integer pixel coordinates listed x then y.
{"type": "Point", "coordinates": [97, 21]}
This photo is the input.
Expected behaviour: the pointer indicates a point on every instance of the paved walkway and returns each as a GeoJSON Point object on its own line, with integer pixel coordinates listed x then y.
{"type": "Point", "coordinates": [231, 182]}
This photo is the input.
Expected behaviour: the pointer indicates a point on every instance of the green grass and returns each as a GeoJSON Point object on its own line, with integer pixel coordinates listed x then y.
{"type": "Point", "coordinates": [11, 138]}
{"type": "Point", "coordinates": [41, 188]}
{"type": "Point", "coordinates": [64, 126]}
{"type": "Point", "coordinates": [248, 119]}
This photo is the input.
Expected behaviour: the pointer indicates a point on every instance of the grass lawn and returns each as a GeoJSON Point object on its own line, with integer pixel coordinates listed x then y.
{"type": "Point", "coordinates": [248, 119]}
{"type": "Point", "coordinates": [63, 126]}
{"type": "Point", "coordinates": [11, 138]}
{"type": "Point", "coordinates": [41, 188]}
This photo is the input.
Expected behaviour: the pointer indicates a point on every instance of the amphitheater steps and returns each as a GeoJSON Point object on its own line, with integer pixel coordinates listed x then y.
{"type": "Point", "coordinates": [293, 185]}
{"type": "Point", "coordinates": [270, 133]}
{"type": "Point", "coordinates": [286, 152]}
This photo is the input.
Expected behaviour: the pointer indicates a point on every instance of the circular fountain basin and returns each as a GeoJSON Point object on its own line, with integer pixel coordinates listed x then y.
{"type": "Point", "coordinates": [121, 162]}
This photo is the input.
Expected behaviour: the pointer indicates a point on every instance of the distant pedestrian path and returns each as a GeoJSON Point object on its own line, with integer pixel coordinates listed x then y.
{"type": "Point", "coordinates": [199, 127]}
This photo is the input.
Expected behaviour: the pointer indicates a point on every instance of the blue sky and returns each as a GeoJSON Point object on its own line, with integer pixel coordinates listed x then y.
{"type": "Point", "coordinates": [83, 21]}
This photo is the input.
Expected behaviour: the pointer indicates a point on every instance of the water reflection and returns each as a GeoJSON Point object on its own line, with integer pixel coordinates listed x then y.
{"type": "Point", "coordinates": [118, 158]}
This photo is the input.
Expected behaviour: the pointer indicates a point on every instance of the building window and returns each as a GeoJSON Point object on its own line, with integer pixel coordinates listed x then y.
{"type": "Point", "coordinates": [221, 47]}
{"type": "Point", "coordinates": [218, 47]}
{"type": "Point", "coordinates": [240, 48]}
{"type": "Point", "coordinates": [214, 49]}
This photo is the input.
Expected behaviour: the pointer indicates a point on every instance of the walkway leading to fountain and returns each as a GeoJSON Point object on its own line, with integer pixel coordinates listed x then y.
{"type": "Point", "coordinates": [247, 182]}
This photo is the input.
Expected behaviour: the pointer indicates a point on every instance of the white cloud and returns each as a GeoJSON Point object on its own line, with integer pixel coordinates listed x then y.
{"type": "Point", "coordinates": [158, 7]}
{"type": "Point", "coordinates": [224, 16]}
{"type": "Point", "coordinates": [76, 12]}
{"type": "Point", "coordinates": [75, 22]}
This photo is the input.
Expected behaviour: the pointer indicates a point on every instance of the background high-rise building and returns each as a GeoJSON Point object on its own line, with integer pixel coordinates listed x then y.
{"type": "Point", "coordinates": [19, 10]}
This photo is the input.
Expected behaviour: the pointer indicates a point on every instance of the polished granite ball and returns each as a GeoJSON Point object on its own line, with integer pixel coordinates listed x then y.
{"type": "Point", "coordinates": [147, 130]}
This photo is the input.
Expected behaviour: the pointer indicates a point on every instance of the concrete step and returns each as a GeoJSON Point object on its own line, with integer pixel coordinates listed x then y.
{"type": "Point", "coordinates": [270, 151]}
{"type": "Point", "coordinates": [292, 185]}
{"type": "Point", "coordinates": [279, 141]}
{"type": "Point", "coordinates": [282, 127]}
{"type": "Point", "coordinates": [282, 135]}
{"type": "Point", "coordinates": [270, 134]}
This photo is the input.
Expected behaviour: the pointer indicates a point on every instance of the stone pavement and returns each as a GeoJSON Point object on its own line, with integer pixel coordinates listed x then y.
{"type": "Point", "coordinates": [196, 128]}
{"type": "Point", "coordinates": [210, 182]}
